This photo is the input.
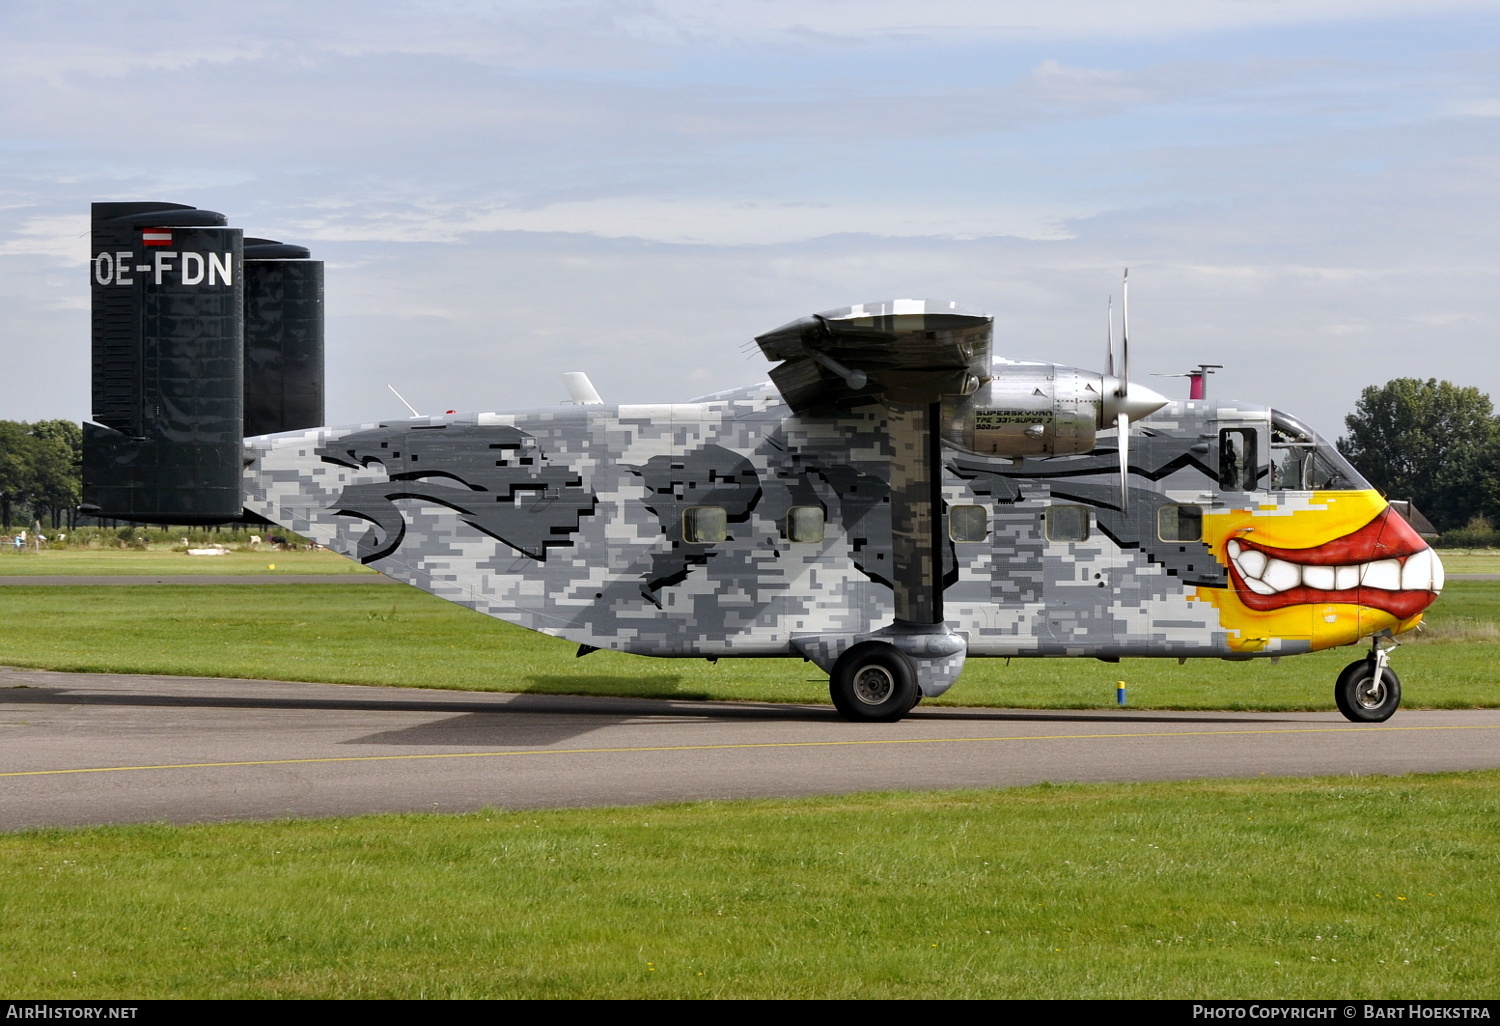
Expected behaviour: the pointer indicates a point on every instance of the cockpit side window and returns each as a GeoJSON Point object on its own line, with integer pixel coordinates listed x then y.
{"type": "Point", "coordinates": [1237, 469]}
{"type": "Point", "coordinates": [1289, 465]}
{"type": "Point", "coordinates": [1302, 461]}
{"type": "Point", "coordinates": [1327, 471]}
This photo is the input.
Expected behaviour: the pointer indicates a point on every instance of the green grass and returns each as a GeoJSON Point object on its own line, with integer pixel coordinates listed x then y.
{"type": "Point", "coordinates": [1328, 889]}
{"type": "Point", "coordinates": [1470, 561]}
{"type": "Point", "coordinates": [154, 562]}
{"type": "Point", "coordinates": [399, 636]}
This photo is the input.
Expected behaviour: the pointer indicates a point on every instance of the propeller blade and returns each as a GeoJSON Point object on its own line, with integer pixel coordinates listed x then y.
{"type": "Point", "coordinates": [1109, 340]}
{"type": "Point", "coordinates": [1122, 423]}
{"type": "Point", "coordinates": [1125, 335]}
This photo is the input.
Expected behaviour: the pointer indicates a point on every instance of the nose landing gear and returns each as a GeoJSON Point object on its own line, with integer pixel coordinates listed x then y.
{"type": "Point", "coordinates": [1368, 691]}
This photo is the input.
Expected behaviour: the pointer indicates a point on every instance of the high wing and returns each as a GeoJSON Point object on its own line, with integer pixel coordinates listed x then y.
{"type": "Point", "coordinates": [912, 351]}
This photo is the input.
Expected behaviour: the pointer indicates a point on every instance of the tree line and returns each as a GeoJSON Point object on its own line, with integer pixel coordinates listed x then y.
{"type": "Point", "coordinates": [40, 472]}
{"type": "Point", "coordinates": [1436, 444]}
{"type": "Point", "coordinates": [1432, 442]}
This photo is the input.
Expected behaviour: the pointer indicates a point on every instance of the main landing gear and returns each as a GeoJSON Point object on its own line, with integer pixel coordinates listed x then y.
{"type": "Point", "coordinates": [1368, 691]}
{"type": "Point", "coordinates": [873, 683]}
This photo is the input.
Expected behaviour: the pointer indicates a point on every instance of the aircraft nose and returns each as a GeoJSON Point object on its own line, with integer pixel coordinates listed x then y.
{"type": "Point", "coordinates": [1421, 579]}
{"type": "Point", "coordinates": [1420, 569]}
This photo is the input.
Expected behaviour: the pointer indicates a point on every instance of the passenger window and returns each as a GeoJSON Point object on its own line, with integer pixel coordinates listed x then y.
{"type": "Point", "coordinates": [804, 524]}
{"type": "Point", "coordinates": [705, 525]}
{"type": "Point", "coordinates": [1179, 523]}
{"type": "Point", "coordinates": [968, 523]}
{"type": "Point", "coordinates": [1067, 523]}
{"type": "Point", "coordinates": [1237, 470]}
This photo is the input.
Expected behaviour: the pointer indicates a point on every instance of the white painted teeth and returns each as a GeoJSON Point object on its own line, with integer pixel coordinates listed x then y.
{"type": "Point", "coordinates": [1321, 577]}
{"type": "Point", "coordinates": [1253, 563]}
{"type": "Point", "coordinates": [1422, 570]}
{"type": "Point", "coordinates": [1281, 575]}
{"type": "Point", "coordinates": [1383, 573]}
{"type": "Point", "coordinates": [1266, 575]}
{"type": "Point", "coordinates": [1259, 587]}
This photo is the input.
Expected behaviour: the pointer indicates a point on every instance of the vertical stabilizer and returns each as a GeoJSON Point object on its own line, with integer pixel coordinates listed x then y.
{"type": "Point", "coordinates": [168, 365]}
{"type": "Point", "coordinates": [283, 338]}
{"type": "Point", "coordinates": [201, 337]}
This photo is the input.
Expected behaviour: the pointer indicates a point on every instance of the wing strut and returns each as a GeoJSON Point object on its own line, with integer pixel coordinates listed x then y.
{"type": "Point", "coordinates": [907, 356]}
{"type": "Point", "coordinates": [917, 511]}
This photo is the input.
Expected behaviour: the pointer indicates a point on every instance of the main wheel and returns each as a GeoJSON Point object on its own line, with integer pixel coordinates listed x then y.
{"type": "Point", "coordinates": [1364, 699]}
{"type": "Point", "coordinates": [873, 683]}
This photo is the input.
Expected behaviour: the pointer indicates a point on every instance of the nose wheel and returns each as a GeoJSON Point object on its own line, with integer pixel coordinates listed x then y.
{"type": "Point", "coordinates": [1368, 691]}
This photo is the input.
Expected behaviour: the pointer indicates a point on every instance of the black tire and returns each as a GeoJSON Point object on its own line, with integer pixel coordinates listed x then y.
{"type": "Point", "coordinates": [873, 683]}
{"type": "Point", "coordinates": [1364, 700]}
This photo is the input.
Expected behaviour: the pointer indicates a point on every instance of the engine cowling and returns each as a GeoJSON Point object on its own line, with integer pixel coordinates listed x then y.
{"type": "Point", "coordinates": [1041, 409]}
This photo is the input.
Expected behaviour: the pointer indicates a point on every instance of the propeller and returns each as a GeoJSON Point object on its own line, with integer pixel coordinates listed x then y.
{"type": "Point", "coordinates": [1109, 340]}
{"type": "Point", "coordinates": [1125, 403]}
{"type": "Point", "coordinates": [1122, 419]}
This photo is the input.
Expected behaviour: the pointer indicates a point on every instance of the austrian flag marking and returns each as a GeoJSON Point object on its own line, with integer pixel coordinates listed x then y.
{"type": "Point", "coordinates": [156, 237]}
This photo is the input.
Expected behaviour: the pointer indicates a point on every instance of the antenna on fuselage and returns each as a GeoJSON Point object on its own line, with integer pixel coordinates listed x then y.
{"type": "Point", "coordinates": [1197, 379]}
{"type": "Point", "coordinates": [408, 405]}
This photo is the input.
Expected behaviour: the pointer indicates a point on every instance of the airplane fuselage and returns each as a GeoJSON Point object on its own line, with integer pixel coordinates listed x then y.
{"type": "Point", "coordinates": [731, 526]}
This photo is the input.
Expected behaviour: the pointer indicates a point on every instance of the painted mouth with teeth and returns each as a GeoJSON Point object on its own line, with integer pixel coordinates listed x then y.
{"type": "Point", "coordinates": [1384, 565]}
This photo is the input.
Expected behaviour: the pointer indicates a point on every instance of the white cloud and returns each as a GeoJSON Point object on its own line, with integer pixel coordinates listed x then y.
{"type": "Point", "coordinates": [58, 40]}
{"type": "Point", "coordinates": [718, 222]}
{"type": "Point", "coordinates": [60, 237]}
{"type": "Point", "coordinates": [510, 190]}
{"type": "Point", "coordinates": [769, 20]}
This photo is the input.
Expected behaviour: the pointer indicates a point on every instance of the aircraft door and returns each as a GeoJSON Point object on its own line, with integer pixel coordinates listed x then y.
{"type": "Point", "coordinates": [1079, 565]}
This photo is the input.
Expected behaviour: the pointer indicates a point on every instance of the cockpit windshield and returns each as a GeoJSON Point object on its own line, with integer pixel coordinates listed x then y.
{"type": "Point", "coordinates": [1302, 461]}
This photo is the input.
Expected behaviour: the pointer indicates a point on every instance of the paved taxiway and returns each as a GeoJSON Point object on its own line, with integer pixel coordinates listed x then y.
{"type": "Point", "coordinates": [109, 748]}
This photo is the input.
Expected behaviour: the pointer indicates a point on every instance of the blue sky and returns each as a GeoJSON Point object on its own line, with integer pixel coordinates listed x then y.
{"type": "Point", "coordinates": [506, 191]}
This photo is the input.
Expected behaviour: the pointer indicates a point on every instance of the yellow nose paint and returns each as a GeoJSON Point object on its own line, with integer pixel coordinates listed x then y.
{"type": "Point", "coordinates": [1295, 525]}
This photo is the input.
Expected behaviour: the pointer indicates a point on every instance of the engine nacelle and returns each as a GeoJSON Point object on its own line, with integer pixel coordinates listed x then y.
{"type": "Point", "coordinates": [1041, 409]}
{"type": "Point", "coordinates": [1028, 410]}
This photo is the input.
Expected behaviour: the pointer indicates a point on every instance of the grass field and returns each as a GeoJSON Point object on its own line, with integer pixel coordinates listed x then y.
{"type": "Point", "coordinates": [1329, 889]}
{"type": "Point", "coordinates": [400, 636]}
{"type": "Point", "coordinates": [1470, 561]}
{"type": "Point", "coordinates": [128, 562]}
